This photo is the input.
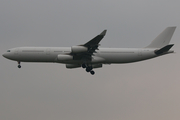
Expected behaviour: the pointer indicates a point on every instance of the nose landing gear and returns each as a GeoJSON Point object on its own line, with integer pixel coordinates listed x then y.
{"type": "Point", "coordinates": [19, 64]}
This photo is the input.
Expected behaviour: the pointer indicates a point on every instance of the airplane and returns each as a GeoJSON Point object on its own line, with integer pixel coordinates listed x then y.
{"type": "Point", "coordinates": [89, 56]}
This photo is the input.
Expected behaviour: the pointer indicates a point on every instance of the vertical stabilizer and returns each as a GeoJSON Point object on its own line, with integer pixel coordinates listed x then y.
{"type": "Point", "coordinates": [162, 39]}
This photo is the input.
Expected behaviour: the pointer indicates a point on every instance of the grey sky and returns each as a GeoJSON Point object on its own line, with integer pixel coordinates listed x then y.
{"type": "Point", "coordinates": [39, 91]}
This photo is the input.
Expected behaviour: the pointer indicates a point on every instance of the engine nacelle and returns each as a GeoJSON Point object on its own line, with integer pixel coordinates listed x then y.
{"type": "Point", "coordinates": [64, 57]}
{"type": "Point", "coordinates": [70, 66]}
{"type": "Point", "coordinates": [96, 65]}
{"type": "Point", "coordinates": [78, 49]}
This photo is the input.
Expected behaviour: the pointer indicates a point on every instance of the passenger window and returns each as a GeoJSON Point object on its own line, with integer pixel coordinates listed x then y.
{"type": "Point", "coordinates": [8, 51]}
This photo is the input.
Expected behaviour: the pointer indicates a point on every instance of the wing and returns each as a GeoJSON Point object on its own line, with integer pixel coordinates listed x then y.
{"type": "Point", "coordinates": [93, 44]}
{"type": "Point", "coordinates": [86, 50]}
{"type": "Point", "coordinates": [85, 54]}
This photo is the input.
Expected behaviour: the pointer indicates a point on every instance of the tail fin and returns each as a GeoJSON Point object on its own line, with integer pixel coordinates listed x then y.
{"type": "Point", "coordinates": [162, 39]}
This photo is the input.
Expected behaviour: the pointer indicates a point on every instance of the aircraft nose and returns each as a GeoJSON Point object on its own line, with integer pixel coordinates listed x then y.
{"type": "Point", "coordinates": [6, 55]}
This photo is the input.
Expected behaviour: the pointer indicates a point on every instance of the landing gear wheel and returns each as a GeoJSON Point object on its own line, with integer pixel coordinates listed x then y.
{"type": "Point", "coordinates": [83, 65]}
{"type": "Point", "coordinates": [88, 69]}
{"type": "Point", "coordinates": [92, 72]}
{"type": "Point", "coordinates": [19, 66]}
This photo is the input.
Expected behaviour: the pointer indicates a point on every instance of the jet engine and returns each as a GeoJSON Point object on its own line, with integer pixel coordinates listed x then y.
{"type": "Point", "coordinates": [64, 57]}
{"type": "Point", "coordinates": [70, 66]}
{"type": "Point", "coordinates": [96, 65]}
{"type": "Point", "coordinates": [79, 49]}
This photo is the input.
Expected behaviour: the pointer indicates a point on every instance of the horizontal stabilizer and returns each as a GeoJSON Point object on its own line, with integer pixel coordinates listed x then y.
{"type": "Point", "coordinates": [163, 50]}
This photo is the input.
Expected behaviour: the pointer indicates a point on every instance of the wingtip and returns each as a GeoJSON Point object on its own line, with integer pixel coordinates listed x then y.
{"type": "Point", "coordinates": [172, 27]}
{"type": "Point", "coordinates": [103, 33]}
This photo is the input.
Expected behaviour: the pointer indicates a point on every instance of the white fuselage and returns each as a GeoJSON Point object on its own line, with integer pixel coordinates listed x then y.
{"type": "Point", "coordinates": [90, 56]}
{"type": "Point", "coordinates": [103, 55]}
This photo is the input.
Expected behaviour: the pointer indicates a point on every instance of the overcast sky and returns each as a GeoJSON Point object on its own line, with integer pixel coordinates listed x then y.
{"type": "Point", "coordinates": [147, 90]}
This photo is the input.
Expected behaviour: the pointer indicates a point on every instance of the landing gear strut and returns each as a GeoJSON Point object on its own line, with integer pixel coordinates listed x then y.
{"type": "Point", "coordinates": [19, 64]}
{"type": "Point", "coordinates": [83, 65]}
{"type": "Point", "coordinates": [88, 68]}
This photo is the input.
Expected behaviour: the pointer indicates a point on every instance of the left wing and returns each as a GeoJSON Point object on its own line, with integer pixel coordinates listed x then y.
{"type": "Point", "coordinates": [96, 40]}
{"type": "Point", "coordinates": [85, 52]}
{"type": "Point", "coordinates": [93, 44]}
{"type": "Point", "coordinates": [88, 48]}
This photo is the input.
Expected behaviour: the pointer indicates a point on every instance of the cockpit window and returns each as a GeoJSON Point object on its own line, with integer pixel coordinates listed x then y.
{"type": "Point", "coordinates": [8, 51]}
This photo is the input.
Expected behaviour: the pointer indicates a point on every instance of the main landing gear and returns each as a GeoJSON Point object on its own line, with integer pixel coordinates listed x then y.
{"type": "Point", "coordinates": [19, 64]}
{"type": "Point", "coordinates": [88, 69]}
{"type": "Point", "coordinates": [92, 72]}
